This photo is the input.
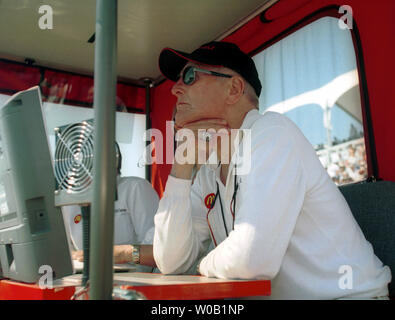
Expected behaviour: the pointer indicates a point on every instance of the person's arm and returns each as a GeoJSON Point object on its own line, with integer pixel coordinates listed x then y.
{"type": "Point", "coordinates": [180, 227]}
{"type": "Point", "coordinates": [142, 202]}
{"type": "Point", "coordinates": [181, 231]}
{"type": "Point", "coordinates": [269, 200]}
{"type": "Point", "coordinates": [123, 254]}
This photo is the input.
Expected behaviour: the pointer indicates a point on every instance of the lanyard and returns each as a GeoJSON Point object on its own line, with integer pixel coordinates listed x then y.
{"type": "Point", "coordinates": [232, 204]}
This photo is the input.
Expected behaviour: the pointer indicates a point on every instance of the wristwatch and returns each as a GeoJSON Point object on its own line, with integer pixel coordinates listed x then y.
{"type": "Point", "coordinates": [136, 254]}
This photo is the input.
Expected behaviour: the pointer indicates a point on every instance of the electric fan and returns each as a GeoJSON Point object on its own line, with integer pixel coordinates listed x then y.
{"type": "Point", "coordinates": [74, 163]}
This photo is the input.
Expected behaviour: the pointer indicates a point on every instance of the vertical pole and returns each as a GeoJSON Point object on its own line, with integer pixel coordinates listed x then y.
{"type": "Point", "coordinates": [102, 217]}
{"type": "Point", "coordinates": [148, 85]}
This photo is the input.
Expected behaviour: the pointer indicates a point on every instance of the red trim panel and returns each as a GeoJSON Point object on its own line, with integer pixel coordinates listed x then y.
{"type": "Point", "coordinates": [10, 290]}
{"type": "Point", "coordinates": [204, 291]}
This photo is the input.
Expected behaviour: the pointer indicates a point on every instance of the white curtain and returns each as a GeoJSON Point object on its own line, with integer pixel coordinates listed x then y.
{"type": "Point", "coordinates": [311, 76]}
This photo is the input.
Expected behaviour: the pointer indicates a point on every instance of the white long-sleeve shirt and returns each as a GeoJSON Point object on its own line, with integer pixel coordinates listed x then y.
{"type": "Point", "coordinates": [292, 225]}
{"type": "Point", "coordinates": [134, 212]}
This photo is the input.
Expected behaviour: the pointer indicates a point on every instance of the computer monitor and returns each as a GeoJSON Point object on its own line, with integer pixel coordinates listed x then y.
{"type": "Point", "coordinates": [32, 230]}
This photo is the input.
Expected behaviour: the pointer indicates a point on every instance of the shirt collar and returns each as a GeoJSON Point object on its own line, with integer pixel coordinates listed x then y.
{"type": "Point", "coordinates": [248, 121]}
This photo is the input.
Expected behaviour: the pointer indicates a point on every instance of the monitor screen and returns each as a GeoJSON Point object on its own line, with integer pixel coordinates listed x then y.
{"type": "Point", "coordinates": [33, 239]}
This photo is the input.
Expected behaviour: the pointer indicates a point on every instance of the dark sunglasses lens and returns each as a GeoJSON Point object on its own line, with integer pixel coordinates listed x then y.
{"type": "Point", "coordinates": [188, 75]}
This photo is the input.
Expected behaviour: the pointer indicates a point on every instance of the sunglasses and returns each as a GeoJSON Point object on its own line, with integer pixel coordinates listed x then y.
{"type": "Point", "coordinates": [189, 74]}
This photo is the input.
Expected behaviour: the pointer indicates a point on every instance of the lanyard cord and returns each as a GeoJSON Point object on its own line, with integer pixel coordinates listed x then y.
{"type": "Point", "coordinates": [222, 210]}
{"type": "Point", "coordinates": [232, 204]}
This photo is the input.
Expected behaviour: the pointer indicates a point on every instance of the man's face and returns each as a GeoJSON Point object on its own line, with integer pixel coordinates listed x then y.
{"type": "Point", "coordinates": [203, 99]}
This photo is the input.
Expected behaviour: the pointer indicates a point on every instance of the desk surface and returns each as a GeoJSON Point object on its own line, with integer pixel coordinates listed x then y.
{"type": "Point", "coordinates": [153, 286]}
{"type": "Point", "coordinates": [156, 286]}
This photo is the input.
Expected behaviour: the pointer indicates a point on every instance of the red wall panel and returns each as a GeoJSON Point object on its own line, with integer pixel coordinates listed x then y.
{"type": "Point", "coordinates": [163, 103]}
{"type": "Point", "coordinates": [17, 77]}
{"type": "Point", "coordinates": [65, 87]}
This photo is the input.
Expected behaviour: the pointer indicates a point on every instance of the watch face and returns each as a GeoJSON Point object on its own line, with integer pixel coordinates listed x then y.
{"type": "Point", "coordinates": [136, 254]}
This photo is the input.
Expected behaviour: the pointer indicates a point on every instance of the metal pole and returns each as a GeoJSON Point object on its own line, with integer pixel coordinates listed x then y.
{"type": "Point", "coordinates": [148, 85]}
{"type": "Point", "coordinates": [102, 218]}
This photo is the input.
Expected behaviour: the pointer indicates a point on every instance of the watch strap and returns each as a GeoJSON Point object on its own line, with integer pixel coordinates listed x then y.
{"type": "Point", "coordinates": [136, 254]}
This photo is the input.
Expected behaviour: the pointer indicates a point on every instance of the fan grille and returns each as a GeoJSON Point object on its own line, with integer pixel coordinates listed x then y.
{"type": "Point", "coordinates": [74, 157]}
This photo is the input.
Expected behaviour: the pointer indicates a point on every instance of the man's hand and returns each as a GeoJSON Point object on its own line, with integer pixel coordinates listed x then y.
{"type": "Point", "coordinates": [122, 254]}
{"type": "Point", "coordinates": [202, 148]}
{"type": "Point", "coordinates": [78, 255]}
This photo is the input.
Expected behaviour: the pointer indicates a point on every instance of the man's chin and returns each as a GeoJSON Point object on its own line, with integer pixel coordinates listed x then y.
{"type": "Point", "coordinates": [184, 120]}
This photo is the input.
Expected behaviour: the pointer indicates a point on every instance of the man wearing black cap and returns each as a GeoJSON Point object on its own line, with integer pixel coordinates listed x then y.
{"type": "Point", "coordinates": [284, 219]}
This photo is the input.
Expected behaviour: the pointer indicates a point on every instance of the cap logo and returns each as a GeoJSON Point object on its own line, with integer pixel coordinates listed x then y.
{"type": "Point", "coordinates": [77, 218]}
{"type": "Point", "coordinates": [208, 200]}
{"type": "Point", "coordinates": [208, 47]}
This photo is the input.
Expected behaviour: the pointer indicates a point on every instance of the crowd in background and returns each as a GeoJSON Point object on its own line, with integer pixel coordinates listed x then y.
{"type": "Point", "coordinates": [346, 163]}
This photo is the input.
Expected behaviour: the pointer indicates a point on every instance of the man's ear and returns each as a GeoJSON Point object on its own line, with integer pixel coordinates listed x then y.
{"type": "Point", "coordinates": [235, 89]}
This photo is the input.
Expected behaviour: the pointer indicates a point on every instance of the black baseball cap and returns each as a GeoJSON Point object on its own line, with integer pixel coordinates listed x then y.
{"type": "Point", "coordinates": [215, 53]}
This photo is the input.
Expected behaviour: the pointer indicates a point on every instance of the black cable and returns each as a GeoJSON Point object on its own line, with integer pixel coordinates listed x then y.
{"type": "Point", "coordinates": [85, 210]}
{"type": "Point", "coordinates": [236, 186]}
{"type": "Point", "coordinates": [222, 211]}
